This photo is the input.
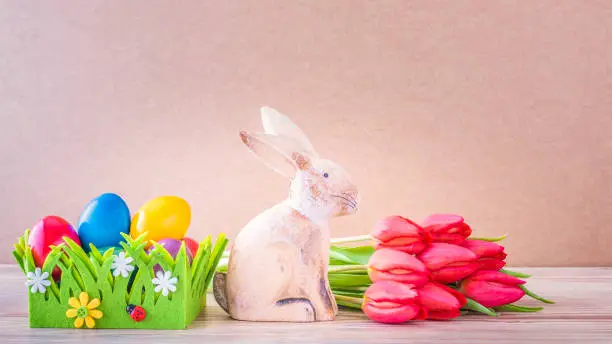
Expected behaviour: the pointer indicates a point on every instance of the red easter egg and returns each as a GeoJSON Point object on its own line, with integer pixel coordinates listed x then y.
{"type": "Point", "coordinates": [49, 231]}
{"type": "Point", "coordinates": [192, 245]}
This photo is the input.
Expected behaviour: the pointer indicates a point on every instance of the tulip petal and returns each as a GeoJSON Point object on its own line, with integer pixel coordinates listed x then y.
{"type": "Point", "coordinates": [496, 276]}
{"type": "Point", "coordinates": [483, 248]}
{"type": "Point", "coordinates": [392, 315]}
{"type": "Point", "coordinates": [413, 248]}
{"type": "Point", "coordinates": [391, 291]}
{"type": "Point", "coordinates": [491, 264]}
{"type": "Point", "coordinates": [491, 294]}
{"type": "Point", "coordinates": [460, 297]}
{"type": "Point", "coordinates": [454, 273]}
{"type": "Point", "coordinates": [435, 298]}
{"type": "Point", "coordinates": [391, 302]}
{"type": "Point", "coordinates": [401, 241]}
{"type": "Point", "coordinates": [423, 314]}
{"type": "Point", "coordinates": [417, 280]}
{"type": "Point", "coordinates": [383, 304]}
{"type": "Point", "coordinates": [386, 259]}
{"type": "Point", "coordinates": [447, 238]}
{"type": "Point", "coordinates": [439, 255]}
{"type": "Point", "coordinates": [447, 228]}
{"type": "Point", "coordinates": [392, 227]}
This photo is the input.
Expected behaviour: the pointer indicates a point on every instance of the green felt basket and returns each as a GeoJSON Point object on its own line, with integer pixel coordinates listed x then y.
{"type": "Point", "coordinates": [93, 274]}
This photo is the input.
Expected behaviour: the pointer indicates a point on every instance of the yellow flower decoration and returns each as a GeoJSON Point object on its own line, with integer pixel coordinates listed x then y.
{"type": "Point", "coordinates": [83, 311]}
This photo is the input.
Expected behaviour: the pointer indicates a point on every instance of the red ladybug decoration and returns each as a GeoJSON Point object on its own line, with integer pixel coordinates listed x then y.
{"type": "Point", "coordinates": [137, 313]}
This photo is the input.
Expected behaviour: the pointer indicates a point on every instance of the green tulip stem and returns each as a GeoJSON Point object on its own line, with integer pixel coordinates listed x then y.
{"type": "Point", "coordinates": [535, 296]}
{"type": "Point", "coordinates": [494, 239]}
{"type": "Point", "coordinates": [348, 301]}
{"type": "Point", "coordinates": [517, 308]}
{"type": "Point", "coordinates": [474, 306]}
{"type": "Point", "coordinates": [358, 294]}
{"type": "Point", "coordinates": [347, 268]}
{"type": "Point", "coordinates": [357, 289]}
{"type": "Point", "coordinates": [352, 239]}
{"type": "Point", "coordinates": [514, 273]}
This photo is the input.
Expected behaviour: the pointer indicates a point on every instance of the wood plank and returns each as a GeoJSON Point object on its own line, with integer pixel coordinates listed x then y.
{"type": "Point", "coordinates": [583, 313]}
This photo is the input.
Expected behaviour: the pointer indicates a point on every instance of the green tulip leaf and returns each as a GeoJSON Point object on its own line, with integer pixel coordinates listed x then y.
{"type": "Point", "coordinates": [337, 258]}
{"type": "Point", "coordinates": [494, 239]}
{"type": "Point", "coordinates": [359, 255]}
{"type": "Point", "coordinates": [517, 308]}
{"type": "Point", "coordinates": [535, 296]}
{"type": "Point", "coordinates": [515, 273]}
{"type": "Point", "coordinates": [474, 306]}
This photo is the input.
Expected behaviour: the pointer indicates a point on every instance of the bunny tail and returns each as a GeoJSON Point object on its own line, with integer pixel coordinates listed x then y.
{"type": "Point", "coordinates": [220, 290]}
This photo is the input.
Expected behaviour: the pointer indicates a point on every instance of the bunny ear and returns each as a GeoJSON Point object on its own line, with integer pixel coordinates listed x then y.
{"type": "Point", "coordinates": [282, 154]}
{"type": "Point", "coordinates": [275, 123]}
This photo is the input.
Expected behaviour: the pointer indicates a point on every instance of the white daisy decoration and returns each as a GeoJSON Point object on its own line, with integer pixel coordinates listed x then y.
{"type": "Point", "coordinates": [38, 280]}
{"type": "Point", "coordinates": [164, 282]}
{"type": "Point", "coordinates": [122, 265]}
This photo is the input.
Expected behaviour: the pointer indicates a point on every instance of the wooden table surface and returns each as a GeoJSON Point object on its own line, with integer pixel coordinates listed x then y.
{"type": "Point", "coordinates": [583, 314]}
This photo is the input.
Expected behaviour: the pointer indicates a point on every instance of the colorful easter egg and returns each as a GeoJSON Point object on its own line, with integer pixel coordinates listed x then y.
{"type": "Point", "coordinates": [116, 251]}
{"type": "Point", "coordinates": [192, 245]}
{"type": "Point", "coordinates": [162, 217]}
{"type": "Point", "coordinates": [49, 231]}
{"type": "Point", "coordinates": [173, 247]}
{"type": "Point", "coordinates": [103, 220]}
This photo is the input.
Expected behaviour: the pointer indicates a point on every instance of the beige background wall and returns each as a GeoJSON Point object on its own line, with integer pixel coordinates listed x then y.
{"type": "Point", "coordinates": [497, 110]}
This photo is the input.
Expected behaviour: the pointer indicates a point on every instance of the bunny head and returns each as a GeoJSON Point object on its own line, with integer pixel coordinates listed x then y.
{"type": "Point", "coordinates": [320, 188]}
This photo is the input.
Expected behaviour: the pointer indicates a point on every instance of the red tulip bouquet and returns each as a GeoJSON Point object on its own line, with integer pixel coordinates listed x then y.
{"type": "Point", "coordinates": [430, 271]}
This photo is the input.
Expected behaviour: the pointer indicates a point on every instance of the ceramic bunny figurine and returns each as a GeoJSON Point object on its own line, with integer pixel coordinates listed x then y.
{"type": "Point", "coordinates": [278, 264]}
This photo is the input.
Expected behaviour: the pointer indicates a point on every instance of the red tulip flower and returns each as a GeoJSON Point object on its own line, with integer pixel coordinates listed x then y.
{"type": "Point", "coordinates": [446, 228]}
{"type": "Point", "coordinates": [400, 234]}
{"type": "Point", "coordinates": [492, 288]}
{"type": "Point", "coordinates": [391, 265]}
{"type": "Point", "coordinates": [448, 263]}
{"type": "Point", "coordinates": [392, 303]}
{"type": "Point", "coordinates": [440, 301]}
{"type": "Point", "coordinates": [490, 255]}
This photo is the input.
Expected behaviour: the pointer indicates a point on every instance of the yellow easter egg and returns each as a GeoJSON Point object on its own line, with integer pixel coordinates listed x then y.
{"type": "Point", "coordinates": [162, 217]}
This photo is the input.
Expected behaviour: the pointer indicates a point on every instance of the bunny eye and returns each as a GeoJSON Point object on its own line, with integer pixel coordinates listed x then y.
{"type": "Point", "coordinates": [325, 175]}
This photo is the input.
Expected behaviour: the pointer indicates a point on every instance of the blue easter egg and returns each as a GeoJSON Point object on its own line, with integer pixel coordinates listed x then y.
{"type": "Point", "coordinates": [116, 251]}
{"type": "Point", "coordinates": [103, 220]}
